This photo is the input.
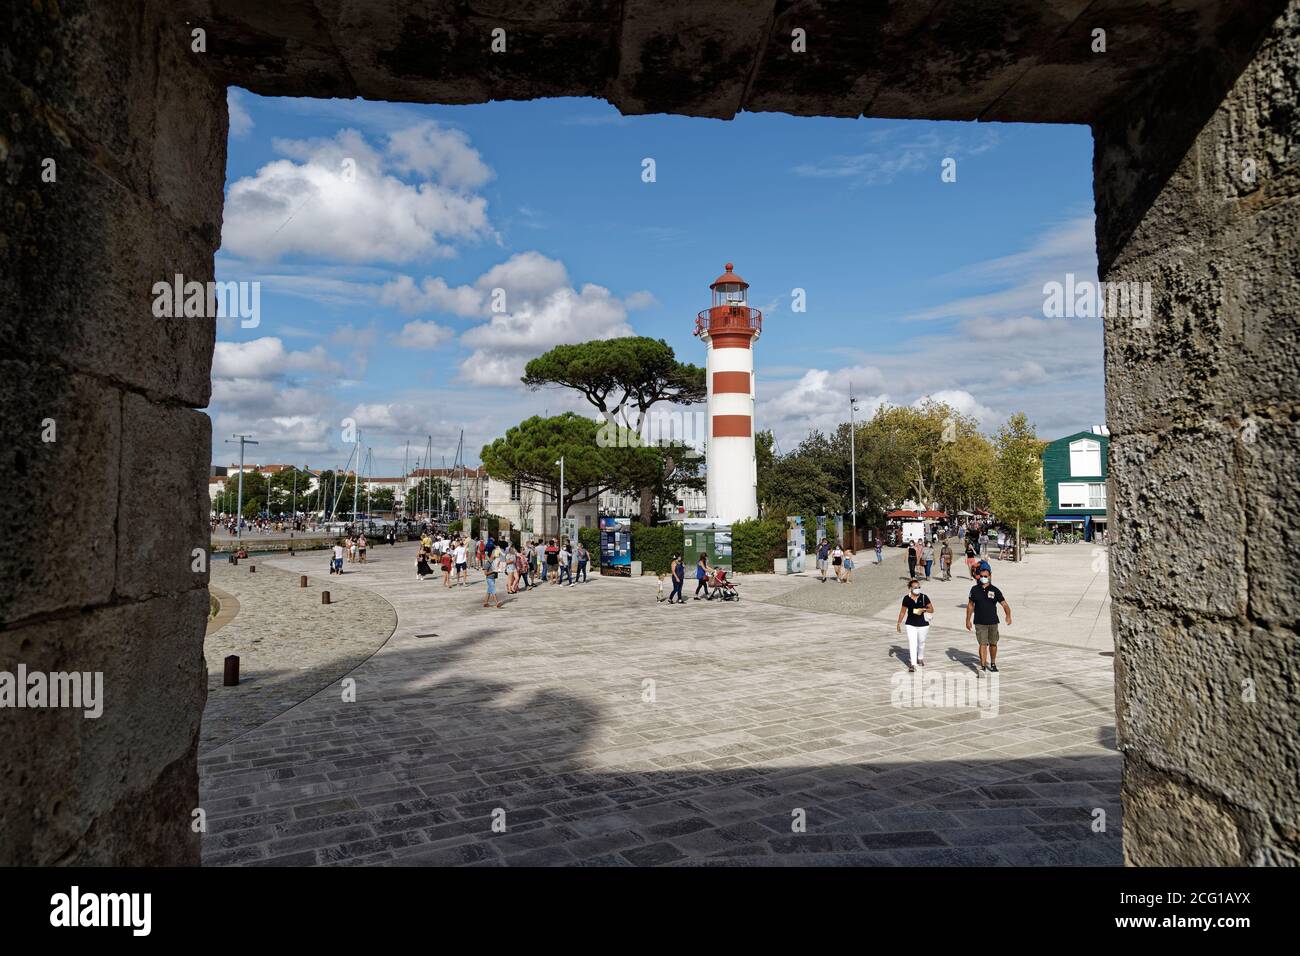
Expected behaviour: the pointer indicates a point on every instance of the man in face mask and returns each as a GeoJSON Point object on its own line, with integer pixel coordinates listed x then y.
{"type": "Point", "coordinates": [983, 606]}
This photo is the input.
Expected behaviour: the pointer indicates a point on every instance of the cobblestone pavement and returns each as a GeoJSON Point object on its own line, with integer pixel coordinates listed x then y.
{"type": "Point", "coordinates": [769, 735]}
{"type": "Point", "coordinates": [289, 644]}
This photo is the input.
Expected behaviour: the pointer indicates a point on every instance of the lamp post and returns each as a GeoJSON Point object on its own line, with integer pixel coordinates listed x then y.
{"type": "Point", "coordinates": [559, 518]}
{"type": "Point", "coordinates": [853, 461]}
{"type": "Point", "coordinates": [239, 501]}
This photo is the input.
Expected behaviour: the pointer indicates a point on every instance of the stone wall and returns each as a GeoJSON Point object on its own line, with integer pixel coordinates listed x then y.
{"type": "Point", "coordinates": [1198, 193]}
{"type": "Point", "coordinates": [95, 578]}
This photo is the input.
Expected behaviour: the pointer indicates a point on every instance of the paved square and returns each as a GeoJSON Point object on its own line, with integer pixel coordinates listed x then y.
{"type": "Point", "coordinates": [598, 727]}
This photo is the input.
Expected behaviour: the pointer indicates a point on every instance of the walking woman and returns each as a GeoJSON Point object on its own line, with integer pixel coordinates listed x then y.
{"type": "Point", "coordinates": [927, 555]}
{"type": "Point", "coordinates": [837, 561]}
{"type": "Point", "coordinates": [945, 561]}
{"type": "Point", "coordinates": [445, 561]}
{"type": "Point", "coordinates": [848, 566]}
{"type": "Point", "coordinates": [917, 609]}
{"type": "Point", "coordinates": [912, 555]}
{"type": "Point", "coordinates": [679, 576]}
{"type": "Point", "coordinates": [702, 577]}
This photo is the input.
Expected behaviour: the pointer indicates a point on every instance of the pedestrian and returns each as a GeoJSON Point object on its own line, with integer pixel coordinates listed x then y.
{"type": "Point", "coordinates": [823, 554]}
{"type": "Point", "coordinates": [512, 571]}
{"type": "Point", "coordinates": [912, 556]}
{"type": "Point", "coordinates": [659, 595]}
{"type": "Point", "coordinates": [445, 561]}
{"type": "Point", "coordinates": [338, 558]}
{"type": "Point", "coordinates": [422, 569]}
{"type": "Point", "coordinates": [490, 572]}
{"type": "Point", "coordinates": [982, 605]}
{"type": "Point", "coordinates": [837, 561]}
{"type": "Point", "coordinates": [361, 548]}
{"type": "Point", "coordinates": [524, 559]}
{"type": "Point", "coordinates": [583, 557]}
{"type": "Point", "coordinates": [918, 609]}
{"type": "Point", "coordinates": [880, 557]}
{"type": "Point", "coordinates": [553, 561]}
{"type": "Point", "coordinates": [927, 555]}
{"type": "Point", "coordinates": [945, 561]}
{"type": "Point", "coordinates": [565, 560]}
{"type": "Point", "coordinates": [702, 577]}
{"type": "Point", "coordinates": [848, 566]}
{"type": "Point", "coordinates": [679, 576]}
{"type": "Point", "coordinates": [461, 558]}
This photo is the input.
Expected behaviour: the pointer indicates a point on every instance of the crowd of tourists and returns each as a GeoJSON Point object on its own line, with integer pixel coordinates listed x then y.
{"type": "Point", "coordinates": [554, 561]}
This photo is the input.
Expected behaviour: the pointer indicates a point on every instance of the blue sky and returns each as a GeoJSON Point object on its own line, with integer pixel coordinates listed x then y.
{"type": "Point", "coordinates": [378, 232]}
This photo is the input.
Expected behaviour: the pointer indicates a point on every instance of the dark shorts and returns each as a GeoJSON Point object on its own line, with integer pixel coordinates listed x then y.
{"type": "Point", "coordinates": [986, 633]}
{"type": "Point", "coordinates": [460, 565]}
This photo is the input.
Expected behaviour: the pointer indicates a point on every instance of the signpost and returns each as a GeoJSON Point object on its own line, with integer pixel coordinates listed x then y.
{"type": "Point", "coordinates": [616, 547]}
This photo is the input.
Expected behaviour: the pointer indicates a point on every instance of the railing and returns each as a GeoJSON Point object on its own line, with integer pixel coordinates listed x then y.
{"type": "Point", "coordinates": [724, 318]}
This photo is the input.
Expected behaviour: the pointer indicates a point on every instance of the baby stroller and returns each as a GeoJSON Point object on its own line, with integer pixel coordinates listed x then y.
{"type": "Point", "coordinates": [720, 587]}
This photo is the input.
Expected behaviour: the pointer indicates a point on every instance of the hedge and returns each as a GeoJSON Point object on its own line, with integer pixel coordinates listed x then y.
{"type": "Point", "coordinates": [589, 538]}
{"type": "Point", "coordinates": [756, 544]}
{"type": "Point", "coordinates": [655, 546]}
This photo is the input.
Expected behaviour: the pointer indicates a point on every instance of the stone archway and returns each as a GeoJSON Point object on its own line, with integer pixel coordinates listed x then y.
{"type": "Point", "coordinates": [1194, 112]}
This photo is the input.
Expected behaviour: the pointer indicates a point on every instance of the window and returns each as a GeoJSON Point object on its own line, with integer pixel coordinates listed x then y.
{"type": "Point", "coordinates": [1090, 495]}
{"type": "Point", "coordinates": [1097, 496]}
{"type": "Point", "coordinates": [1073, 495]}
{"type": "Point", "coordinates": [514, 490]}
{"type": "Point", "coordinates": [1085, 458]}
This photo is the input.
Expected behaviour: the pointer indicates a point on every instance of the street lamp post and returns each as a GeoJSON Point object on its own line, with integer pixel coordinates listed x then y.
{"type": "Point", "coordinates": [239, 501]}
{"type": "Point", "coordinates": [853, 461]}
{"type": "Point", "coordinates": [559, 517]}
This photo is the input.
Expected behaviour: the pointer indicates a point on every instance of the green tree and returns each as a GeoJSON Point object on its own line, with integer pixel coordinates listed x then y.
{"type": "Point", "coordinates": [623, 378]}
{"type": "Point", "coordinates": [530, 452]}
{"type": "Point", "coordinates": [1017, 494]}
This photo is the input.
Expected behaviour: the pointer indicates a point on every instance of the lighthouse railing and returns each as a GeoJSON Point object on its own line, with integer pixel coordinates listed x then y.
{"type": "Point", "coordinates": [728, 317]}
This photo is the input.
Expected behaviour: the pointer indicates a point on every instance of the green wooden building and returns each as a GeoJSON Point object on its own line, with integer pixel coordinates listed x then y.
{"type": "Point", "coordinates": [1074, 479]}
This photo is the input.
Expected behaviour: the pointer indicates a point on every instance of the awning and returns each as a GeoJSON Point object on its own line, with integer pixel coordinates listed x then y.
{"type": "Point", "coordinates": [902, 514]}
{"type": "Point", "coordinates": [1066, 519]}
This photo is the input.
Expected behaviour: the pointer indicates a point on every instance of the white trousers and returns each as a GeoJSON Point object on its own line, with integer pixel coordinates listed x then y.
{"type": "Point", "coordinates": [916, 642]}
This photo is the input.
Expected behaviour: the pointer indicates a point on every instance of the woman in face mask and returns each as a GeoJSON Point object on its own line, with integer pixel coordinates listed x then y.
{"type": "Point", "coordinates": [917, 609]}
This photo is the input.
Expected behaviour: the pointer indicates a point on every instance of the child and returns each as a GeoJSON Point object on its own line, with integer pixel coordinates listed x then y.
{"type": "Point", "coordinates": [660, 597]}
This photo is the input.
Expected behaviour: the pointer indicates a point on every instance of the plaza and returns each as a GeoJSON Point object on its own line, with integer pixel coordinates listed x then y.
{"type": "Point", "coordinates": [595, 726]}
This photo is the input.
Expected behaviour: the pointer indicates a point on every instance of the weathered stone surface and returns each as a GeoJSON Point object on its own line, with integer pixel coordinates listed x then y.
{"type": "Point", "coordinates": [66, 538]}
{"type": "Point", "coordinates": [120, 787]}
{"type": "Point", "coordinates": [78, 266]}
{"type": "Point", "coordinates": [165, 455]}
{"type": "Point", "coordinates": [1181, 507]}
{"type": "Point", "coordinates": [1202, 407]}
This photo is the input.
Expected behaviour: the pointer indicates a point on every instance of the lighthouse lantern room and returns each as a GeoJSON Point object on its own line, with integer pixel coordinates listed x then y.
{"type": "Point", "coordinates": [729, 329]}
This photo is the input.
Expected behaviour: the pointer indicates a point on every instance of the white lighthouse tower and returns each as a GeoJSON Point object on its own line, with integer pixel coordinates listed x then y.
{"type": "Point", "coordinates": [729, 329]}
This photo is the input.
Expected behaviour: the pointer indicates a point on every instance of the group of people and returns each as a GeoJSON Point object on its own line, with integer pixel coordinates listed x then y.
{"type": "Point", "coordinates": [982, 602]}
{"type": "Point", "coordinates": [537, 562]}
{"type": "Point", "coordinates": [840, 560]}
{"type": "Point", "coordinates": [706, 578]}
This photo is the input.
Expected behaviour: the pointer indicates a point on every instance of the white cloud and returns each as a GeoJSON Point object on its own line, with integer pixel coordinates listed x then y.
{"type": "Point", "coordinates": [265, 358]}
{"type": "Point", "coordinates": [422, 335]}
{"type": "Point", "coordinates": [430, 150]}
{"type": "Point", "coordinates": [332, 199]}
{"type": "Point", "coordinates": [964, 403]}
{"type": "Point", "coordinates": [241, 123]}
{"type": "Point", "coordinates": [891, 155]}
{"type": "Point", "coordinates": [1021, 327]}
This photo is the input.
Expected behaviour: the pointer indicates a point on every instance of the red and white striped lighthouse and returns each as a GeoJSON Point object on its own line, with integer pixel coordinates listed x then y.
{"type": "Point", "coordinates": [729, 329]}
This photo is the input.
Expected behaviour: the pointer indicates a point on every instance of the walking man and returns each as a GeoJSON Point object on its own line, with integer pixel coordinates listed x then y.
{"type": "Point", "coordinates": [679, 576]}
{"type": "Point", "coordinates": [982, 605]}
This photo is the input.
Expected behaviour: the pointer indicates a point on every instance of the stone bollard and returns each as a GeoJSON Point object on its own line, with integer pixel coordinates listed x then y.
{"type": "Point", "coordinates": [302, 580]}
{"type": "Point", "coordinates": [324, 597]}
{"type": "Point", "coordinates": [252, 568]}
{"type": "Point", "coordinates": [231, 676]}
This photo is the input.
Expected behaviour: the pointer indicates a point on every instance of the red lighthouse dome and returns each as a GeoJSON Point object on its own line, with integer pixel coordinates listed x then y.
{"type": "Point", "coordinates": [729, 321]}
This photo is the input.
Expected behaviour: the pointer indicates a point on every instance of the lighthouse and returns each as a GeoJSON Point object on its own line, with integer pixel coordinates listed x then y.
{"type": "Point", "coordinates": [729, 328]}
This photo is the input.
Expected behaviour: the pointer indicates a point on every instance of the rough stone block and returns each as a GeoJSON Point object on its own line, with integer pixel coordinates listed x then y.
{"type": "Point", "coordinates": [165, 455]}
{"type": "Point", "coordinates": [120, 788]}
{"type": "Point", "coordinates": [60, 542]}
{"type": "Point", "coordinates": [1179, 502]}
